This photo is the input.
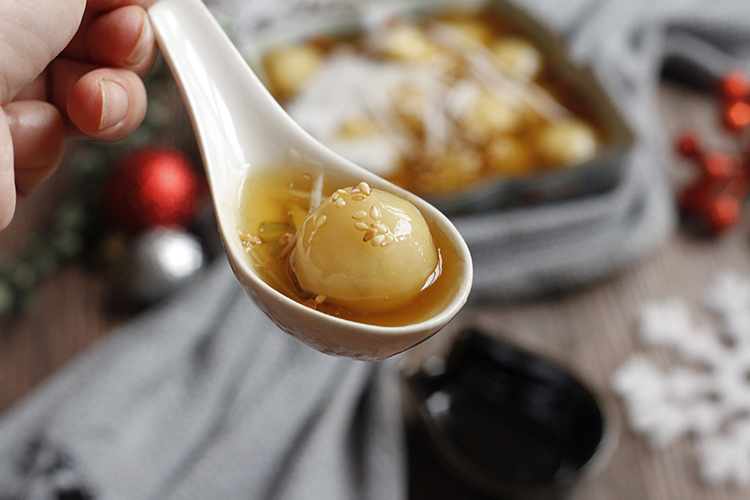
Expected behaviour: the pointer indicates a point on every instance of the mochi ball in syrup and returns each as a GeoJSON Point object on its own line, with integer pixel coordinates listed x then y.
{"type": "Point", "coordinates": [364, 249]}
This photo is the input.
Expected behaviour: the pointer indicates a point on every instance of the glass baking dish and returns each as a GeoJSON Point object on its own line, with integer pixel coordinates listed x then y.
{"type": "Point", "coordinates": [564, 86]}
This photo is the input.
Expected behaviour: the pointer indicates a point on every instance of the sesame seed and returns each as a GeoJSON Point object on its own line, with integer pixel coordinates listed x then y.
{"type": "Point", "coordinates": [364, 188]}
{"type": "Point", "coordinates": [359, 215]}
{"type": "Point", "coordinates": [381, 228]}
{"type": "Point", "coordinates": [389, 238]}
{"type": "Point", "coordinates": [286, 238]}
{"type": "Point", "coordinates": [378, 240]}
{"type": "Point", "coordinates": [335, 196]}
{"type": "Point", "coordinates": [250, 239]}
{"type": "Point", "coordinates": [320, 299]}
{"type": "Point", "coordinates": [358, 197]}
{"type": "Point", "coordinates": [370, 234]}
{"type": "Point", "coordinates": [375, 212]}
{"type": "Point", "coordinates": [340, 203]}
{"type": "Point", "coordinates": [341, 192]}
{"type": "Point", "coordinates": [320, 220]}
{"type": "Point", "coordinates": [360, 226]}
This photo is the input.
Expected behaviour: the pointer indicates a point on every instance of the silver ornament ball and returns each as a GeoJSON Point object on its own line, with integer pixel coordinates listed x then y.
{"type": "Point", "coordinates": [160, 261]}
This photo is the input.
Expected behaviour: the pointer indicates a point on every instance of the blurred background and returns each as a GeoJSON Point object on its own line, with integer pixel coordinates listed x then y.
{"type": "Point", "coordinates": [88, 252]}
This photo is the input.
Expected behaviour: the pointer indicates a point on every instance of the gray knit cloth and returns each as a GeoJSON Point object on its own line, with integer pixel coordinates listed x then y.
{"type": "Point", "coordinates": [202, 397]}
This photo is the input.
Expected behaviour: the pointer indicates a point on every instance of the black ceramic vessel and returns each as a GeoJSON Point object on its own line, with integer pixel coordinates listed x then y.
{"type": "Point", "coordinates": [508, 423]}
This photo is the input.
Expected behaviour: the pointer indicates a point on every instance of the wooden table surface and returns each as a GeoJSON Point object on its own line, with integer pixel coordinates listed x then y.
{"type": "Point", "coordinates": [592, 330]}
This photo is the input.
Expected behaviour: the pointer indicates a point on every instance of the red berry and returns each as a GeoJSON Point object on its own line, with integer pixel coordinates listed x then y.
{"type": "Point", "coordinates": [724, 213]}
{"type": "Point", "coordinates": [688, 144]}
{"type": "Point", "coordinates": [735, 86]}
{"type": "Point", "coordinates": [719, 165]}
{"type": "Point", "coordinates": [736, 115]}
{"type": "Point", "coordinates": [696, 198]}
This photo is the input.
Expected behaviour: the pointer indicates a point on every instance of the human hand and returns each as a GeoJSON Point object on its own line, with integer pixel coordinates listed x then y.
{"type": "Point", "coordinates": [67, 68]}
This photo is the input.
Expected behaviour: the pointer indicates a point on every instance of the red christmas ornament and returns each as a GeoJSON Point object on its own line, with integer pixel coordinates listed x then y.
{"type": "Point", "coordinates": [152, 187]}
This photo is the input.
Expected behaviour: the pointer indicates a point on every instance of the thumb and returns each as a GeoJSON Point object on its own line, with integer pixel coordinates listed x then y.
{"type": "Point", "coordinates": [33, 33]}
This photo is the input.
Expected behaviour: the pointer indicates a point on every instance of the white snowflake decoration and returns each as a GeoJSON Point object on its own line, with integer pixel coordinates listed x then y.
{"type": "Point", "coordinates": [707, 395]}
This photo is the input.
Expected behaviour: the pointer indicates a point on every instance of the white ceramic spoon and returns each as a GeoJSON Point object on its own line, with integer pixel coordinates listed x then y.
{"type": "Point", "coordinates": [241, 127]}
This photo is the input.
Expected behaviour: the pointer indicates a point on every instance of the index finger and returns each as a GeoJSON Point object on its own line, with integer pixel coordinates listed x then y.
{"type": "Point", "coordinates": [116, 33]}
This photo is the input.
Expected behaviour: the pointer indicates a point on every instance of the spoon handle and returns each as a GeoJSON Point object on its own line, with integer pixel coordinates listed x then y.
{"type": "Point", "coordinates": [226, 100]}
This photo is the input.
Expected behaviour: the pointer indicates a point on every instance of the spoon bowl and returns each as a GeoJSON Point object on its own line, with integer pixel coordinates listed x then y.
{"type": "Point", "coordinates": [241, 128]}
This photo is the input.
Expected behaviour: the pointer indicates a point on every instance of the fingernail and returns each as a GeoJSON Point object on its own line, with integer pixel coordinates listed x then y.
{"type": "Point", "coordinates": [144, 45]}
{"type": "Point", "coordinates": [114, 103]}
